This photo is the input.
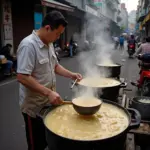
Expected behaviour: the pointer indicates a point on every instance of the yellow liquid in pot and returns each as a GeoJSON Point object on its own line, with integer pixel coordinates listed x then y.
{"type": "Point", "coordinates": [86, 101]}
{"type": "Point", "coordinates": [108, 122]}
{"type": "Point", "coordinates": [99, 82]}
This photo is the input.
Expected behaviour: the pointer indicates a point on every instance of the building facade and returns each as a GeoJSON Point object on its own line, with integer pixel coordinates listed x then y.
{"type": "Point", "coordinates": [19, 18]}
{"type": "Point", "coordinates": [124, 17]}
{"type": "Point", "coordinates": [143, 18]}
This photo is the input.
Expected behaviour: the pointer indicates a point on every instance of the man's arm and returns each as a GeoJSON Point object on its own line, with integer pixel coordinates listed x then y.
{"type": "Point", "coordinates": [139, 50]}
{"type": "Point", "coordinates": [29, 82]}
{"type": "Point", "coordinates": [60, 70]}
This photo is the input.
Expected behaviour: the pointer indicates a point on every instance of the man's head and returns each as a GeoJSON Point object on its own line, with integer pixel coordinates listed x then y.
{"type": "Point", "coordinates": [53, 26]}
{"type": "Point", "coordinates": [132, 36]}
{"type": "Point", "coordinates": [148, 39]}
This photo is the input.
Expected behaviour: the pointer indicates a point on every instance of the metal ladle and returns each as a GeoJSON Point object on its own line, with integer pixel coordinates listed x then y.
{"type": "Point", "coordinates": [84, 110]}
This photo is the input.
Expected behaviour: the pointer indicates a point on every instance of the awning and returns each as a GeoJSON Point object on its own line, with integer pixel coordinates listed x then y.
{"type": "Point", "coordinates": [146, 19]}
{"type": "Point", "coordinates": [54, 4]}
{"type": "Point", "coordinates": [141, 19]}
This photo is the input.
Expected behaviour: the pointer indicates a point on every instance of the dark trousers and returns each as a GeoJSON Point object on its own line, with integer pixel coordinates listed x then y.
{"type": "Point", "coordinates": [35, 133]}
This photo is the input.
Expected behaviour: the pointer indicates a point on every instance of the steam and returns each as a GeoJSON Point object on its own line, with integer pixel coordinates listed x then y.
{"type": "Point", "coordinates": [100, 53]}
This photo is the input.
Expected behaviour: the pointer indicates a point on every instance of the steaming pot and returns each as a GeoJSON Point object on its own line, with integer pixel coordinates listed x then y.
{"type": "Point", "coordinates": [112, 70]}
{"type": "Point", "coordinates": [109, 91]}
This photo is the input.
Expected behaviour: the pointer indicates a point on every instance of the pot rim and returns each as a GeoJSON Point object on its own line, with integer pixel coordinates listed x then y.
{"type": "Point", "coordinates": [101, 65]}
{"type": "Point", "coordinates": [135, 100]}
{"type": "Point", "coordinates": [102, 87]}
{"type": "Point", "coordinates": [97, 140]}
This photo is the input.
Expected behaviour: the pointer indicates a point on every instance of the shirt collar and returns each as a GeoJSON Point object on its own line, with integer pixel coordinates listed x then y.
{"type": "Point", "coordinates": [38, 40]}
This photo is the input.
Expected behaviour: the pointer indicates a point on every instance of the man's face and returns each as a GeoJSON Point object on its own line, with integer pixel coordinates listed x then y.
{"type": "Point", "coordinates": [53, 35]}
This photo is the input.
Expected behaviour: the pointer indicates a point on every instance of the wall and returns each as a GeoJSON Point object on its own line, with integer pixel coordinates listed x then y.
{"type": "Point", "coordinates": [107, 11]}
{"type": "Point", "coordinates": [23, 20]}
{"type": "Point", "coordinates": [6, 26]}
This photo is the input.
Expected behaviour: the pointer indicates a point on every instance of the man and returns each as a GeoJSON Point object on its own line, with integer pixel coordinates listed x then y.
{"type": "Point", "coordinates": [116, 40]}
{"type": "Point", "coordinates": [132, 41]}
{"type": "Point", "coordinates": [71, 46]}
{"type": "Point", "coordinates": [6, 51]}
{"type": "Point", "coordinates": [37, 65]}
{"type": "Point", "coordinates": [7, 66]}
{"type": "Point", "coordinates": [121, 42]}
{"type": "Point", "coordinates": [144, 48]}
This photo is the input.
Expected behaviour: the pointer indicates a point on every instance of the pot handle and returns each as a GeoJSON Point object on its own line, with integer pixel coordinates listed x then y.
{"type": "Point", "coordinates": [123, 85]}
{"type": "Point", "coordinates": [137, 117]}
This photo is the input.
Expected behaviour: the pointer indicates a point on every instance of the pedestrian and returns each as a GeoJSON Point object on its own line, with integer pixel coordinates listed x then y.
{"type": "Point", "coordinates": [132, 41]}
{"type": "Point", "coordinates": [37, 66]}
{"type": "Point", "coordinates": [121, 42]}
{"type": "Point", "coordinates": [7, 66]}
{"type": "Point", "coordinates": [116, 40]}
{"type": "Point", "coordinates": [6, 51]}
{"type": "Point", "coordinates": [144, 47]}
{"type": "Point", "coordinates": [71, 46]}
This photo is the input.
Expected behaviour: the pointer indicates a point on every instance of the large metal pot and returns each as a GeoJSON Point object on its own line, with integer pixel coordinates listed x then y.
{"type": "Point", "coordinates": [117, 142]}
{"type": "Point", "coordinates": [143, 108]}
{"type": "Point", "coordinates": [110, 71]}
{"type": "Point", "coordinates": [110, 92]}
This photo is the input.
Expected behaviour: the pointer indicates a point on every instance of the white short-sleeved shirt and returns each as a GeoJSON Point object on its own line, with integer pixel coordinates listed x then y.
{"type": "Point", "coordinates": [36, 59]}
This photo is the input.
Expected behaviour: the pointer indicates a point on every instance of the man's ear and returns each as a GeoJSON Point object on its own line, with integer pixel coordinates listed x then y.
{"type": "Point", "coordinates": [48, 28]}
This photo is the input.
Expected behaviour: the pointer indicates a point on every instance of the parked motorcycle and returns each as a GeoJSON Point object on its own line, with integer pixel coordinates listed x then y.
{"type": "Point", "coordinates": [131, 50]}
{"type": "Point", "coordinates": [143, 83]}
{"type": "Point", "coordinates": [57, 50]}
{"type": "Point", "coordinates": [74, 48]}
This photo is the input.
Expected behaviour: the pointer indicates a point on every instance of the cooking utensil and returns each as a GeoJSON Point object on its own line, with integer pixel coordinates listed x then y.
{"type": "Point", "coordinates": [83, 110]}
{"type": "Point", "coordinates": [116, 142]}
{"type": "Point", "coordinates": [111, 71]}
{"type": "Point", "coordinates": [74, 83]}
{"type": "Point", "coordinates": [143, 108]}
{"type": "Point", "coordinates": [110, 92]}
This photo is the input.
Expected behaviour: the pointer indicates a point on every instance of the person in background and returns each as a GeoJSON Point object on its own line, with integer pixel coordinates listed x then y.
{"type": "Point", "coordinates": [37, 66]}
{"type": "Point", "coordinates": [6, 51]}
{"type": "Point", "coordinates": [121, 42]}
{"type": "Point", "coordinates": [7, 66]}
{"type": "Point", "coordinates": [144, 48]}
{"type": "Point", "coordinates": [132, 41]}
{"type": "Point", "coordinates": [116, 40]}
{"type": "Point", "coordinates": [71, 46]}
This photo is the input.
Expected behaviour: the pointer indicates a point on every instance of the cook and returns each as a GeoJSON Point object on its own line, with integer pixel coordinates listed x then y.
{"type": "Point", "coordinates": [37, 65]}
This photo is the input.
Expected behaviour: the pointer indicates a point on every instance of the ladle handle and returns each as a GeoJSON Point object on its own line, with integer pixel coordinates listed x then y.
{"type": "Point", "coordinates": [74, 83]}
{"type": "Point", "coordinates": [67, 102]}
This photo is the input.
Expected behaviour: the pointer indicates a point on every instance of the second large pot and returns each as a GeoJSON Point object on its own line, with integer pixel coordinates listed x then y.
{"type": "Point", "coordinates": [110, 91]}
{"type": "Point", "coordinates": [117, 142]}
{"type": "Point", "coordinates": [112, 70]}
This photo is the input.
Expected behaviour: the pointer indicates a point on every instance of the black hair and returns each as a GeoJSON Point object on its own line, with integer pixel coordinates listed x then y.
{"type": "Point", "coordinates": [132, 36]}
{"type": "Point", "coordinates": [8, 45]}
{"type": "Point", "coordinates": [148, 39]}
{"type": "Point", "coordinates": [54, 19]}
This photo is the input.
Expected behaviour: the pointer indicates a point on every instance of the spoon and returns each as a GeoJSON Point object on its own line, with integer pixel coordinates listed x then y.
{"type": "Point", "coordinates": [84, 110]}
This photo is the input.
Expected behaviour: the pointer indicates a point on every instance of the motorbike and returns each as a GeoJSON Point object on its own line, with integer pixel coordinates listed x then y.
{"type": "Point", "coordinates": [143, 83]}
{"type": "Point", "coordinates": [57, 49]}
{"type": "Point", "coordinates": [74, 48]}
{"type": "Point", "coordinates": [131, 50]}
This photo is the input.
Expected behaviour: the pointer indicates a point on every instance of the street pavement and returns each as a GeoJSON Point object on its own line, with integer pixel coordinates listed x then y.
{"type": "Point", "coordinates": [12, 135]}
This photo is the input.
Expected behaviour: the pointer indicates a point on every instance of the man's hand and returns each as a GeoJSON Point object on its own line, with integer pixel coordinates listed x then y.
{"type": "Point", "coordinates": [75, 76]}
{"type": "Point", "coordinates": [54, 98]}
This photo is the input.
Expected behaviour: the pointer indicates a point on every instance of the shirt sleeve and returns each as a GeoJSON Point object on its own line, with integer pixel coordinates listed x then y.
{"type": "Point", "coordinates": [139, 50]}
{"type": "Point", "coordinates": [25, 60]}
